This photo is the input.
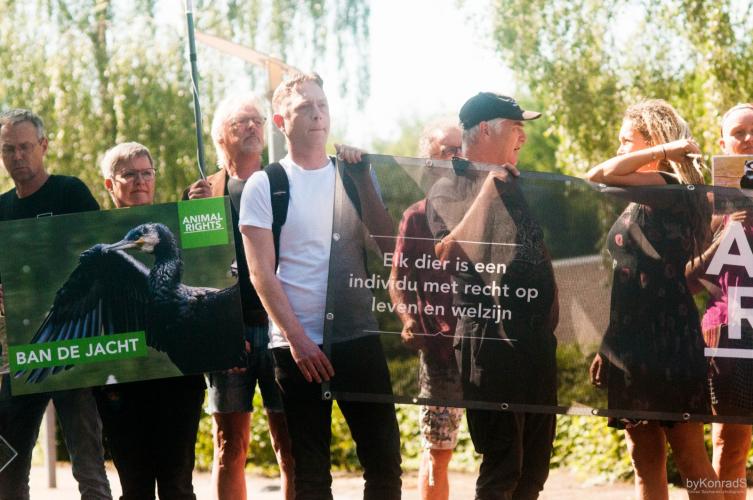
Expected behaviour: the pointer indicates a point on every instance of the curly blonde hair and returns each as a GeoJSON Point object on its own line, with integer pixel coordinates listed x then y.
{"type": "Point", "coordinates": [659, 123]}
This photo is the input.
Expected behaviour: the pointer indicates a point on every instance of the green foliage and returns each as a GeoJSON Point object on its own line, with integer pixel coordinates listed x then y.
{"type": "Point", "coordinates": [537, 155]}
{"type": "Point", "coordinates": [406, 143]}
{"type": "Point", "coordinates": [540, 149]}
{"type": "Point", "coordinates": [204, 447]}
{"type": "Point", "coordinates": [338, 27]}
{"type": "Point", "coordinates": [3, 348]}
{"type": "Point", "coordinates": [573, 385]}
{"type": "Point", "coordinates": [103, 71]}
{"type": "Point", "coordinates": [580, 60]}
{"type": "Point", "coordinates": [587, 446]}
{"type": "Point", "coordinates": [107, 88]}
{"type": "Point", "coordinates": [261, 457]}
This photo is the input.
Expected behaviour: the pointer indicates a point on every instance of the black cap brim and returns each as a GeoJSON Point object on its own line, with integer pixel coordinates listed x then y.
{"type": "Point", "coordinates": [486, 106]}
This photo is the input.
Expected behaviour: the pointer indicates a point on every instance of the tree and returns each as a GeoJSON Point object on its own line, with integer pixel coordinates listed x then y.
{"type": "Point", "coordinates": [576, 58]}
{"type": "Point", "coordinates": [105, 71]}
{"type": "Point", "coordinates": [538, 153]}
{"type": "Point", "coordinates": [301, 32]}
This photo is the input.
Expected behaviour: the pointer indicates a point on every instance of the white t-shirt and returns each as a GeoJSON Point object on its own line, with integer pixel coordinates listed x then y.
{"type": "Point", "coordinates": [305, 240]}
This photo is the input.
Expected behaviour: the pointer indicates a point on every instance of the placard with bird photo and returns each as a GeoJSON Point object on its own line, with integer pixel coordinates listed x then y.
{"type": "Point", "coordinates": [121, 295]}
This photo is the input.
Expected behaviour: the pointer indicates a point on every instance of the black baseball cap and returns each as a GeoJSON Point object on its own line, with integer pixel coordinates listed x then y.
{"type": "Point", "coordinates": [486, 106]}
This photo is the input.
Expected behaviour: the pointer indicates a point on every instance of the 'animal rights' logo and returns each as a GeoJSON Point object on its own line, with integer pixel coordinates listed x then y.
{"type": "Point", "coordinates": [203, 223]}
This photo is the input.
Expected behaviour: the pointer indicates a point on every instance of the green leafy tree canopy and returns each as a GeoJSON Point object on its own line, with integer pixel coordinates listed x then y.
{"type": "Point", "coordinates": [105, 71]}
{"type": "Point", "coordinates": [587, 60]}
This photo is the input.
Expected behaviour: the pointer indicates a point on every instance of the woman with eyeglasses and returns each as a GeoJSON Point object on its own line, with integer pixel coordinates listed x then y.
{"type": "Point", "coordinates": [150, 427]}
{"type": "Point", "coordinates": [652, 354]}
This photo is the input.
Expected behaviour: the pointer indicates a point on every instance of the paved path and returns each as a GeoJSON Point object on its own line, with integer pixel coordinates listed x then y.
{"type": "Point", "coordinates": [561, 485]}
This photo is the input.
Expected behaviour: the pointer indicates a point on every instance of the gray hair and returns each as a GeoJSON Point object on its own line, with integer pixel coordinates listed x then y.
{"type": "Point", "coordinates": [224, 111]}
{"type": "Point", "coordinates": [470, 136]}
{"type": "Point", "coordinates": [15, 116]}
{"type": "Point", "coordinates": [427, 134]}
{"type": "Point", "coordinates": [121, 154]}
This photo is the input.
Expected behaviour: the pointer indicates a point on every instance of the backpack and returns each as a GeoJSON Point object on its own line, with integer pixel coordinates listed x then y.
{"type": "Point", "coordinates": [279, 191]}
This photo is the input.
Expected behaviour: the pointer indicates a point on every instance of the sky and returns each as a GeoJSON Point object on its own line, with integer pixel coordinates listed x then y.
{"type": "Point", "coordinates": [427, 57]}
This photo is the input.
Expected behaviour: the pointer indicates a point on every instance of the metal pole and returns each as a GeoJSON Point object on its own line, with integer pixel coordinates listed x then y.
{"type": "Point", "coordinates": [50, 448]}
{"type": "Point", "coordinates": [195, 88]}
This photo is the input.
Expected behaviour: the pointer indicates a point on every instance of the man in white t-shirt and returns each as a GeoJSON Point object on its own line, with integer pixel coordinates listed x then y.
{"type": "Point", "coordinates": [295, 296]}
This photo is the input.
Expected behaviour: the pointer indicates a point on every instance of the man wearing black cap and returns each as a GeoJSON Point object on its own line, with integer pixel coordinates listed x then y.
{"type": "Point", "coordinates": [507, 355]}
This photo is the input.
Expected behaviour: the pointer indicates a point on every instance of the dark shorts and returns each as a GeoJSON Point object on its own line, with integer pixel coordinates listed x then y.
{"type": "Point", "coordinates": [234, 392]}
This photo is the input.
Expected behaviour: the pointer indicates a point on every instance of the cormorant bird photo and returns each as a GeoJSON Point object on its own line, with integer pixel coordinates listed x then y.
{"type": "Point", "coordinates": [111, 292]}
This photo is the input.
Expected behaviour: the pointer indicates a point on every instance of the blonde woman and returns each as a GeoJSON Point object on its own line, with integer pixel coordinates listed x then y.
{"type": "Point", "coordinates": [652, 354]}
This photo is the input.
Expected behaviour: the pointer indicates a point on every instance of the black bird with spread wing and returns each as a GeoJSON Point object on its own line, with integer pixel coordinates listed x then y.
{"type": "Point", "coordinates": [111, 292]}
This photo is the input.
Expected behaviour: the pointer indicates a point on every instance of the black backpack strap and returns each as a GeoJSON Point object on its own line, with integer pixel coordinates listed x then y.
{"type": "Point", "coordinates": [279, 191]}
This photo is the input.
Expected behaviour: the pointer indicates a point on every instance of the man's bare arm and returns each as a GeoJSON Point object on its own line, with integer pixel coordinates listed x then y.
{"type": "Point", "coordinates": [260, 256]}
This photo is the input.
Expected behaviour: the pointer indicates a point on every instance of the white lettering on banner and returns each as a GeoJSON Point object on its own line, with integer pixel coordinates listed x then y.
{"type": "Point", "coordinates": [734, 234]}
{"type": "Point", "coordinates": [68, 352]}
{"type": "Point", "coordinates": [495, 313]}
{"type": "Point", "coordinates": [392, 259]}
{"type": "Point", "coordinates": [33, 356]}
{"type": "Point", "coordinates": [202, 222]}
{"type": "Point", "coordinates": [376, 282]}
{"type": "Point", "coordinates": [112, 347]}
{"type": "Point", "coordinates": [403, 308]}
{"type": "Point", "coordinates": [735, 311]}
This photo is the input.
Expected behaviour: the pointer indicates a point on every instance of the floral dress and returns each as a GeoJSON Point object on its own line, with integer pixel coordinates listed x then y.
{"type": "Point", "coordinates": [653, 348]}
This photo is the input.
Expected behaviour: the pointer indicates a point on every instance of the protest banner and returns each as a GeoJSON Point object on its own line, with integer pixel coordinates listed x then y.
{"type": "Point", "coordinates": [122, 295]}
{"type": "Point", "coordinates": [502, 298]}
